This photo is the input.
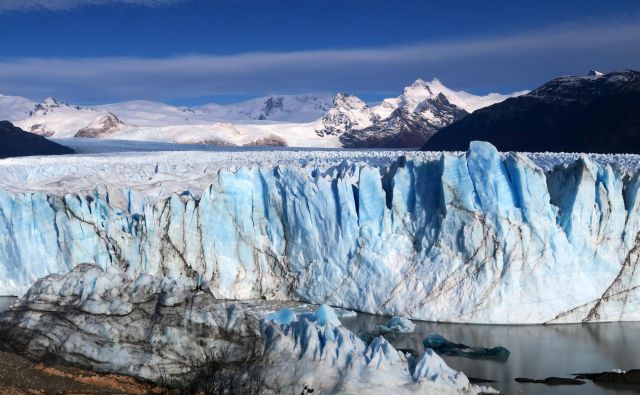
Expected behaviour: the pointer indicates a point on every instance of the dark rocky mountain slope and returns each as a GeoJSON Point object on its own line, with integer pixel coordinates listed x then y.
{"type": "Point", "coordinates": [16, 142]}
{"type": "Point", "coordinates": [597, 113]}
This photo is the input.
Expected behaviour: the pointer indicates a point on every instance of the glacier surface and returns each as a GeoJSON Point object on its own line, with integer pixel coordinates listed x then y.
{"type": "Point", "coordinates": [478, 237]}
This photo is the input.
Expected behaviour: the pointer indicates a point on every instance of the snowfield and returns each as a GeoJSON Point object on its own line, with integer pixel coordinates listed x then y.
{"type": "Point", "coordinates": [307, 120]}
{"type": "Point", "coordinates": [477, 237]}
{"type": "Point", "coordinates": [172, 167]}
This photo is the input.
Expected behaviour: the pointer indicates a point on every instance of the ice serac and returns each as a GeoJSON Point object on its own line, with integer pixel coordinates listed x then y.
{"type": "Point", "coordinates": [157, 329]}
{"type": "Point", "coordinates": [477, 237]}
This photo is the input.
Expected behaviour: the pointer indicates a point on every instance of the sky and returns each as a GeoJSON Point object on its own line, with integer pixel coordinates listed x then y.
{"type": "Point", "coordinates": [193, 51]}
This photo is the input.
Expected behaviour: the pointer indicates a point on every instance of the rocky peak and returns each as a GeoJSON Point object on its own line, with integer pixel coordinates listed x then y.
{"type": "Point", "coordinates": [102, 125]}
{"type": "Point", "coordinates": [594, 73]}
{"type": "Point", "coordinates": [271, 105]}
{"type": "Point", "coordinates": [348, 112]}
{"type": "Point", "coordinates": [52, 102]}
{"type": "Point", "coordinates": [585, 89]}
{"type": "Point", "coordinates": [416, 92]}
{"type": "Point", "coordinates": [348, 102]}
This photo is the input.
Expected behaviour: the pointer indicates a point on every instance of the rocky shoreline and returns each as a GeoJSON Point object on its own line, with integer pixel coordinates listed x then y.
{"type": "Point", "coordinates": [19, 375]}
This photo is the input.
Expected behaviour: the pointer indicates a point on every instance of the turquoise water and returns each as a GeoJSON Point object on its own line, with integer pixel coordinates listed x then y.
{"type": "Point", "coordinates": [537, 351]}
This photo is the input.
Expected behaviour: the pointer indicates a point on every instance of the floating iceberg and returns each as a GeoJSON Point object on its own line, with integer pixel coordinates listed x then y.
{"type": "Point", "coordinates": [400, 325]}
{"type": "Point", "coordinates": [445, 347]}
{"type": "Point", "coordinates": [480, 237]}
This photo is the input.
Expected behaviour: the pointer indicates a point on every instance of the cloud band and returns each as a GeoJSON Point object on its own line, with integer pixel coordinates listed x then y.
{"type": "Point", "coordinates": [511, 61]}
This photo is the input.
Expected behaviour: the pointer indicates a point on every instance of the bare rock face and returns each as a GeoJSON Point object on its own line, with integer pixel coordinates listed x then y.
{"type": "Point", "coordinates": [210, 141]}
{"type": "Point", "coordinates": [151, 328]}
{"type": "Point", "coordinates": [406, 128]}
{"type": "Point", "coordinates": [406, 122]}
{"type": "Point", "coordinates": [16, 142]}
{"type": "Point", "coordinates": [616, 377]}
{"type": "Point", "coordinates": [597, 113]}
{"type": "Point", "coordinates": [550, 381]}
{"type": "Point", "coordinates": [347, 113]}
{"type": "Point", "coordinates": [269, 141]}
{"type": "Point", "coordinates": [41, 130]}
{"type": "Point", "coordinates": [101, 126]}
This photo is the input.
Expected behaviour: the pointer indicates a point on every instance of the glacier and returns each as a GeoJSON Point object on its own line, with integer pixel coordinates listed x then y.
{"type": "Point", "coordinates": [475, 237]}
{"type": "Point", "coordinates": [157, 329]}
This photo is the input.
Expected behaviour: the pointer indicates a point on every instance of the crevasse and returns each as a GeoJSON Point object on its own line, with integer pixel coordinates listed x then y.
{"type": "Point", "coordinates": [473, 238]}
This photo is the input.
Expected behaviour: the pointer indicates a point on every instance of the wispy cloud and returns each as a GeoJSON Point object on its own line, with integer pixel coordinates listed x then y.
{"type": "Point", "coordinates": [478, 64]}
{"type": "Point", "coordinates": [63, 5]}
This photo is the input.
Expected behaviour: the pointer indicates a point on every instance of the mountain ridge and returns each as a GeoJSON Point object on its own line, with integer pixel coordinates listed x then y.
{"type": "Point", "coordinates": [594, 113]}
{"type": "Point", "coordinates": [311, 120]}
{"type": "Point", "coordinates": [16, 142]}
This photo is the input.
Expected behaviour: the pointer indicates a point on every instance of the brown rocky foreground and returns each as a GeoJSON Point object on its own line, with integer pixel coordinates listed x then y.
{"type": "Point", "coordinates": [19, 376]}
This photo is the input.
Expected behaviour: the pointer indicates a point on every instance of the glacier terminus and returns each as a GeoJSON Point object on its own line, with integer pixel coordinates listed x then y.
{"type": "Point", "coordinates": [475, 237]}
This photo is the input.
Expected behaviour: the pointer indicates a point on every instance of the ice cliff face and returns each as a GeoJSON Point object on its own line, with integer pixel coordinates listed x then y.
{"type": "Point", "coordinates": [463, 238]}
{"type": "Point", "coordinates": [154, 328]}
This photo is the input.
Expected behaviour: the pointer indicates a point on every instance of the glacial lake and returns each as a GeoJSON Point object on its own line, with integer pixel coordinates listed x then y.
{"type": "Point", "coordinates": [537, 352]}
{"type": "Point", "coordinates": [6, 301]}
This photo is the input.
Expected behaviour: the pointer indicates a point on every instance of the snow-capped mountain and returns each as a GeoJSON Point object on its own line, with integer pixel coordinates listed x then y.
{"type": "Point", "coordinates": [409, 125]}
{"type": "Point", "coordinates": [280, 108]}
{"type": "Point", "coordinates": [585, 89]}
{"type": "Point", "coordinates": [54, 118]}
{"type": "Point", "coordinates": [592, 113]}
{"type": "Point", "coordinates": [102, 126]}
{"type": "Point", "coordinates": [421, 90]}
{"type": "Point", "coordinates": [144, 113]}
{"type": "Point", "coordinates": [347, 113]}
{"type": "Point", "coordinates": [311, 120]}
{"type": "Point", "coordinates": [403, 122]}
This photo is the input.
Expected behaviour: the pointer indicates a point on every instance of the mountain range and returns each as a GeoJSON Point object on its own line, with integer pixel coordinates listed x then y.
{"type": "Point", "coordinates": [598, 113]}
{"type": "Point", "coordinates": [311, 120]}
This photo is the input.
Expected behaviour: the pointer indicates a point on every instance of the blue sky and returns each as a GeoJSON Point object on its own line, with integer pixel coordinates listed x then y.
{"type": "Point", "coordinates": [192, 51]}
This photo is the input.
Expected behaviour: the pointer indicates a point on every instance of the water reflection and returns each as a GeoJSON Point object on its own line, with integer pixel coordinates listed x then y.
{"type": "Point", "coordinates": [536, 351]}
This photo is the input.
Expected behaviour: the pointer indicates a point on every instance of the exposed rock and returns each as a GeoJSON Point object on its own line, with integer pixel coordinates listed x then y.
{"type": "Point", "coordinates": [478, 380]}
{"type": "Point", "coordinates": [16, 142]}
{"type": "Point", "coordinates": [347, 113]}
{"type": "Point", "coordinates": [210, 141]}
{"type": "Point", "coordinates": [101, 126]}
{"type": "Point", "coordinates": [551, 381]}
{"type": "Point", "coordinates": [405, 122]}
{"type": "Point", "coordinates": [594, 113]}
{"type": "Point", "coordinates": [444, 347]}
{"type": "Point", "coordinates": [629, 377]}
{"type": "Point", "coordinates": [41, 130]}
{"type": "Point", "coordinates": [405, 128]}
{"type": "Point", "coordinates": [269, 141]}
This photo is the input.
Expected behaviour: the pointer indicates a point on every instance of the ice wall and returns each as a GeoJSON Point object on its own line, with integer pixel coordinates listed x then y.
{"type": "Point", "coordinates": [462, 238]}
